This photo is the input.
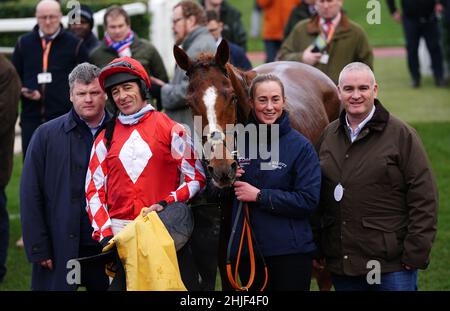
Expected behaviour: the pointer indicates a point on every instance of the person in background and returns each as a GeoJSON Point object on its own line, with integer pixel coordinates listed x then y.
{"type": "Point", "coordinates": [120, 40]}
{"type": "Point", "coordinates": [238, 58]}
{"type": "Point", "coordinates": [327, 41]}
{"type": "Point", "coordinates": [233, 29]}
{"type": "Point", "coordinates": [420, 21]}
{"type": "Point", "coordinates": [276, 14]}
{"type": "Point", "coordinates": [83, 29]}
{"type": "Point", "coordinates": [446, 33]}
{"type": "Point", "coordinates": [379, 200]}
{"type": "Point", "coordinates": [43, 59]}
{"type": "Point", "coordinates": [189, 28]}
{"type": "Point", "coordinates": [9, 101]}
{"type": "Point", "coordinates": [302, 11]}
{"type": "Point", "coordinates": [55, 222]}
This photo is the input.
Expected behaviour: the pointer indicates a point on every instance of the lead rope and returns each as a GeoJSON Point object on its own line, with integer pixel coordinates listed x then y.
{"type": "Point", "coordinates": [246, 230]}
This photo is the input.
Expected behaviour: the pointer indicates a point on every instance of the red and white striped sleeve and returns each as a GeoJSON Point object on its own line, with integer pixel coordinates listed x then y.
{"type": "Point", "coordinates": [189, 164]}
{"type": "Point", "coordinates": [95, 188]}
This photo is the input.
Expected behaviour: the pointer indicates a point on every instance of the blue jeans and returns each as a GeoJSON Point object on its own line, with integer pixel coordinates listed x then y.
{"type": "Point", "coordinates": [4, 233]}
{"type": "Point", "coordinates": [405, 280]}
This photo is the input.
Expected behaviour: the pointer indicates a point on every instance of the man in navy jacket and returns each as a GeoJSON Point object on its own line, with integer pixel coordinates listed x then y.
{"type": "Point", "coordinates": [56, 227]}
{"type": "Point", "coordinates": [43, 59]}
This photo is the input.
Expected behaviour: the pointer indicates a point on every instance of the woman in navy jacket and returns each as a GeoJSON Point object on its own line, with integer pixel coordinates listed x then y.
{"type": "Point", "coordinates": [280, 199]}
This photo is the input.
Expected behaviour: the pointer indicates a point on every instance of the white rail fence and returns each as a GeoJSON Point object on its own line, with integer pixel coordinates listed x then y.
{"type": "Point", "coordinates": [160, 27]}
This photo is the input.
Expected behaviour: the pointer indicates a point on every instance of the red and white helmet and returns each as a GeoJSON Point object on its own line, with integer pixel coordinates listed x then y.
{"type": "Point", "coordinates": [122, 70]}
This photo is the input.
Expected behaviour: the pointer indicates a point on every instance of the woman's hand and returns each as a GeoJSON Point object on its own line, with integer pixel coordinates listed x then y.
{"type": "Point", "coordinates": [240, 171]}
{"type": "Point", "coordinates": [245, 192]}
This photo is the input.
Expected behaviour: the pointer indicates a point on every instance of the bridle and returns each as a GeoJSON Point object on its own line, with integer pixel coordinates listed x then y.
{"type": "Point", "coordinates": [219, 137]}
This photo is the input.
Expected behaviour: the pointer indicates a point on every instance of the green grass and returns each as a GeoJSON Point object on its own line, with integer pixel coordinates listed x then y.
{"type": "Point", "coordinates": [387, 33]}
{"type": "Point", "coordinates": [18, 276]}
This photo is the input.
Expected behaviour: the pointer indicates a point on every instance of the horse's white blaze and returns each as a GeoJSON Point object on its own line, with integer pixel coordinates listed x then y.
{"type": "Point", "coordinates": [209, 99]}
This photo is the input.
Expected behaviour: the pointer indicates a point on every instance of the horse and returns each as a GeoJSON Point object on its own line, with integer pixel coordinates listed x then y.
{"type": "Point", "coordinates": [312, 100]}
{"type": "Point", "coordinates": [218, 93]}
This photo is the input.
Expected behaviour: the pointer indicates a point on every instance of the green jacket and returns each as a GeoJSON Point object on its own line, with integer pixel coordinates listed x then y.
{"type": "Point", "coordinates": [349, 44]}
{"type": "Point", "coordinates": [388, 211]}
{"type": "Point", "coordinates": [141, 50]}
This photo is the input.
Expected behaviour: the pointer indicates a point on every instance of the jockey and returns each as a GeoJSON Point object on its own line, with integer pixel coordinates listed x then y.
{"type": "Point", "coordinates": [135, 163]}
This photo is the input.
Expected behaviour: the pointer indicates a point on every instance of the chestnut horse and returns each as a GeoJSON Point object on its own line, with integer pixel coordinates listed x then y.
{"type": "Point", "coordinates": [218, 93]}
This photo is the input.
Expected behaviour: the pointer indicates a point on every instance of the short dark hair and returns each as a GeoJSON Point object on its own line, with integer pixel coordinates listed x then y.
{"type": "Point", "coordinates": [116, 10]}
{"type": "Point", "coordinates": [212, 15]}
{"type": "Point", "coordinates": [191, 8]}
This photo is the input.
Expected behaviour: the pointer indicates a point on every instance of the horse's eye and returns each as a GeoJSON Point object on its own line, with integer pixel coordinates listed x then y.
{"type": "Point", "coordinates": [234, 98]}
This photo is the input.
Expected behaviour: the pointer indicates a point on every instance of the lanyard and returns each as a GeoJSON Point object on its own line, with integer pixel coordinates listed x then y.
{"type": "Point", "coordinates": [46, 47]}
{"type": "Point", "coordinates": [330, 35]}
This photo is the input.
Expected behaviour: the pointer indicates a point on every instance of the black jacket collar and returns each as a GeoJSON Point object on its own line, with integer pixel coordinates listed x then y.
{"type": "Point", "coordinates": [377, 123]}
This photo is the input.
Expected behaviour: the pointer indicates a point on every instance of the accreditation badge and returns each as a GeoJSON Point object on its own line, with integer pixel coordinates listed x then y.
{"type": "Point", "coordinates": [338, 192]}
{"type": "Point", "coordinates": [44, 77]}
{"type": "Point", "coordinates": [324, 58]}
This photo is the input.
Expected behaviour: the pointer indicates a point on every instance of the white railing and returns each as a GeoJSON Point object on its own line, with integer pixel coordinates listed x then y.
{"type": "Point", "coordinates": [160, 28]}
{"type": "Point", "coordinates": [26, 24]}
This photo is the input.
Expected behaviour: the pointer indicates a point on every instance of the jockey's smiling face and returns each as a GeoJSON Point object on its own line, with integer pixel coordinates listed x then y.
{"type": "Point", "coordinates": [127, 96]}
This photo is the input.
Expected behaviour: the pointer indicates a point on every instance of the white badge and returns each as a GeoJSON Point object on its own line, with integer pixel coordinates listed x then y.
{"type": "Point", "coordinates": [44, 77]}
{"type": "Point", "coordinates": [324, 58]}
{"type": "Point", "coordinates": [338, 192]}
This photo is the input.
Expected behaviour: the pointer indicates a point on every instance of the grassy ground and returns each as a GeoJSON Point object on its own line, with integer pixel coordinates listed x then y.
{"type": "Point", "coordinates": [387, 33]}
{"type": "Point", "coordinates": [427, 109]}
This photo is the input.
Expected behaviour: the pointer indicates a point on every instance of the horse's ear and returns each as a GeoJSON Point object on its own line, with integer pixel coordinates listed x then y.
{"type": "Point", "coordinates": [223, 53]}
{"type": "Point", "coordinates": [240, 87]}
{"type": "Point", "coordinates": [249, 76]}
{"type": "Point", "coordinates": [181, 58]}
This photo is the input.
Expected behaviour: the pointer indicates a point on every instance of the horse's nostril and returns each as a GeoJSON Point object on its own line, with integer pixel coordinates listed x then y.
{"type": "Point", "coordinates": [234, 166]}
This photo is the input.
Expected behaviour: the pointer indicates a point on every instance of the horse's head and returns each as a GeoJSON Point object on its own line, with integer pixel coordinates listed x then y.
{"type": "Point", "coordinates": [217, 94]}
